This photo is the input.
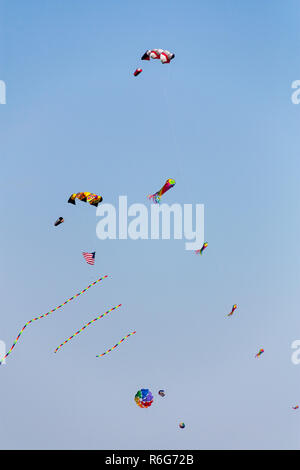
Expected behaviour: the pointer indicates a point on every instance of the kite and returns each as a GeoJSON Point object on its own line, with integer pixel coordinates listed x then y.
{"type": "Point", "coordinates": [137, 72]}
{"type": "Point", "coordinates": [121, 340]}
{"type": "Point", "coordinates": [59, 221]}
{"type": "Point", "coordinates": [143, 398]}
{"type": "Point", "coordinates": [157, 196]}
{"type": "Point", "coordinates": [232, 310]}
{"type": "Point", "coordinates": [161, 393]}
{"type": "Point", "coordinates": [88, 324]}
{"type": "Point", "coordinates": [182, 425]}
{"type": "Point", "coordinates": [259, 352]}
{"type": "Point", "coordinates": [295, 407]}
{"type": "Point", "coordinates": [89, 257]}
{"type": "Point", "coordinates": [48, 313]}
{"type": "Point", "coordinates": [92, 199]}
{"type": "Point", "coordinates": [199, 252]}
{"type": "Point", "coordinates": [163, 55]}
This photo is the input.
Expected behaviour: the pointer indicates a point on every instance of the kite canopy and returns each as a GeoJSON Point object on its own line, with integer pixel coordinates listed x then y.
{"type": "Point", "coordinates": [182, 425]}
{"type": "Point", "coordinates": [143, 398]}
{"type": "Point", "coordinates": [161, 393]}
{"type": "Point", "coordinates": [91, 198]}
{"type": "Point", "coordinates": [162, 54]}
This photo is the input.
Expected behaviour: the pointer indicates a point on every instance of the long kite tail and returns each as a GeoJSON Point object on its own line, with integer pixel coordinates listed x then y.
{"type": "Point", "coordinates": [83, 328]}
{"type": "Point", "coordinates": [155, 197]}
{"type": "Point", "coordinates": [48, 313]}
{"type": "Point", "coordinates": [111, 349]}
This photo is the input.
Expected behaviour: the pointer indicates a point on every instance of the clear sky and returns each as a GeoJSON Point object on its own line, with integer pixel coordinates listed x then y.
{"type": "Point", "coordinates": [220, 121]}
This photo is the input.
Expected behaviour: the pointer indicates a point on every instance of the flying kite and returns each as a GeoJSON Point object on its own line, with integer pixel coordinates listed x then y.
{"type": "Point", "coordinates": [92, 199]}
{"type": "Point", "coordinates": [260, 352]}
{"type": "Point", "coordinates": [157, 196]}
{"type": "Point", "coordinates": [161, 393]}
{"type": "Point", "coordinates": [59, 221]}
{"type": "Point", "coordinates": [199, 252]}
{"type": "Point", "coordinates": [84, 327]}
{"type": "Point", "coordinates": [295, 407]}
{"type": "Point", "coordinates": [232, 310]}
{"type": "Point", "coordinates": [163, 55]}
{"type": "Point", "coordinates": [111, 349]}
{"type": "Point", "coordinates": [48, 313]}
{"type": "Point", "coordinates": [137, 72]}
{"type": "Point", "coordinates": [89, 257]}
{"type": "Point", "coordinates": [143, 398]}
{"type": "Point", "coordinates": [182, 425]}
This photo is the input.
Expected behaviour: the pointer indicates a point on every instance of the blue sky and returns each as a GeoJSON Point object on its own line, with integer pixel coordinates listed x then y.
{"type": "Point", "coordinates": [220, 121]}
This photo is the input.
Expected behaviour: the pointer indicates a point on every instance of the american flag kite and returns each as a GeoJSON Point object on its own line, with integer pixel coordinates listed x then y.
{"type": "Point", "coordinates": [89, 257]}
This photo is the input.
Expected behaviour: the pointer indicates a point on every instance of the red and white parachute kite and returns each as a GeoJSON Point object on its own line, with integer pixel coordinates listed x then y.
{"type": "Point", "coordinates": [163, 55]}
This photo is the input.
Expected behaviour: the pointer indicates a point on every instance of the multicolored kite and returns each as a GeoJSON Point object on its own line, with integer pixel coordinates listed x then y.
{"type": "Point", "coordinates": [121, 341]}
{"type": "Point", "coordinates": [48, 313]}
{"type": "Point", "coordinates": [85, 326]}
{"type": "Point", "coordinates": [157, 196]}
{"type": "Point", "coordinates": [143, 398]}
{"type": "Point", "coordinates": [161, 393]}
{"type": "Point", "coordinates": [232, 310]}
{"type": "Point", "coordinates": [295, 407]}
{"type": "Point", "coordinates": [260, 352]}
{"type": "Point", "coordinates": [199, 252]}
{"type": "Point", "coordinates": [182, 425]}
{"type": "Point", "coordinates": [92, 199]}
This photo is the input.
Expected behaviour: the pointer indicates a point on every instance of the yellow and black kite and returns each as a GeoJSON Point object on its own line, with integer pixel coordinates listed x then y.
{"type": "Point", "coordinates": [92, 199]}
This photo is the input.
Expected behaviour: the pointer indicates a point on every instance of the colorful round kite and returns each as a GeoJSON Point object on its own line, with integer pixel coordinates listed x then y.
{"type": "Point", "coordinates": [143, 398]}
{"type": "Point", "coordinates": [182, 425]}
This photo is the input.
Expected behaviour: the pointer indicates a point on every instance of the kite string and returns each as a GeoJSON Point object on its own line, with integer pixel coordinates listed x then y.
{"type": "Point", "coordinates": [48, 313]}
{"type": "Point", "coordinates": [111, 349]}
{"type": "Point", "coordinates": [84, 326]}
